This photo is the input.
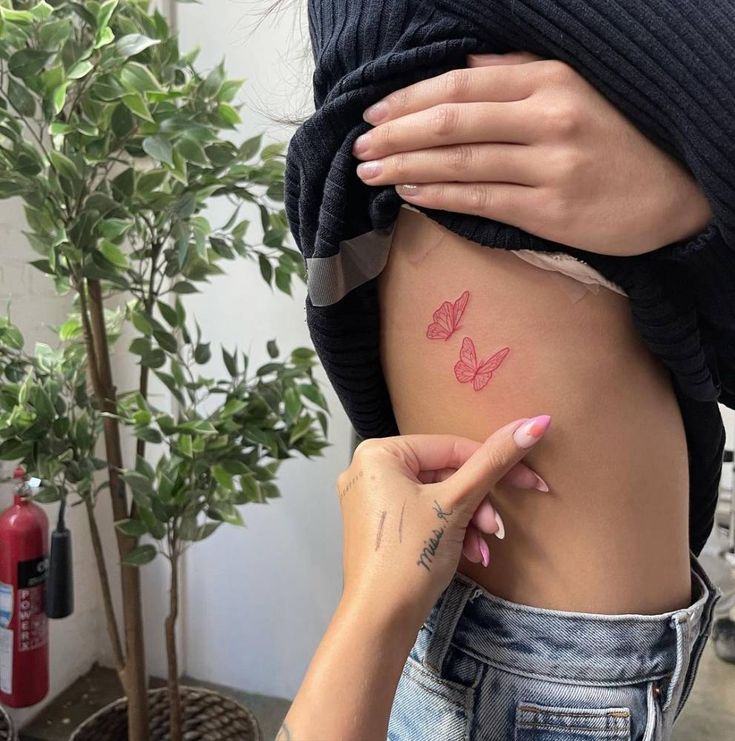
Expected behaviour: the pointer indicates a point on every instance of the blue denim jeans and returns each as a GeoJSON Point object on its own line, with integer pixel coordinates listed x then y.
{"type": "Point", "coordinates": [486, 669]}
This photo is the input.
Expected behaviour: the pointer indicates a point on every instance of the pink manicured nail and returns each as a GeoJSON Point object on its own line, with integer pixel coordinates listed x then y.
{"type": "Point", "coordinates": [500, 532]}
{"type": "Point", "coordinates": [376, 112]}
{"type": "Point", "coordinates": [361, 144]}
{"type": "Point", "coordinates": [541, 485]}
{"type": "Point", "coordinates": [372, 169]}
{"type": "Point", "coordinates": [484, 550]}
{"type": "Point", "coordinates": [407, 191]}
{"type": "Point", "coordinates": [529, 433]}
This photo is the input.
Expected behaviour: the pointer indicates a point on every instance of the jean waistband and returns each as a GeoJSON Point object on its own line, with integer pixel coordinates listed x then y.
{"type": "Point", "coordinates": [561, 645]}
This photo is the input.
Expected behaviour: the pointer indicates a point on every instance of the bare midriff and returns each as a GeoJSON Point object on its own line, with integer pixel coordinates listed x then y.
{"type": "Point", "coordinates": [611, 535]}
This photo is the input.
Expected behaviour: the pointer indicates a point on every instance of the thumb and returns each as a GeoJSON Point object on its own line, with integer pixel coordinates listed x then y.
{"type": "Point", "coordinates": [492, 460]}
{"type": "Point", "coordinates": [513, 57]}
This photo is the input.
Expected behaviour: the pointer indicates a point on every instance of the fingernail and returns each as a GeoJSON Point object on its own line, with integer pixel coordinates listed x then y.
{"type": "Point", "coordinates": [484, 550]}
{"type": "Point", "coordinates": [408, 190]}
{"type": "Point", "coordinates": [529, 433]}
{"type": "Point", "coordinates": [376, 112]}
{"type": "Point", "coordinates": [500, 532]}
{"type": "Point", "coordinates": [469, 556]}
{"type": "Point", "coordinates": [361, 144]}
{"type": "Point", "coordinates": [367, 170]}
{"type": "Point", "coordinates": [541, 485]}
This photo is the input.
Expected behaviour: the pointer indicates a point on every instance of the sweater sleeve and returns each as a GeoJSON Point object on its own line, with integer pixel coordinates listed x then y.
{"type": "Point", "coordinates": [669, 65]}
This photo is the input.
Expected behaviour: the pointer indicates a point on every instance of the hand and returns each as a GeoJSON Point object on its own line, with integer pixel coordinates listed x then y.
{"type": "Point", "coordinates": [529, 142]}
{"type": "Point", "coordinates": [404, 527]}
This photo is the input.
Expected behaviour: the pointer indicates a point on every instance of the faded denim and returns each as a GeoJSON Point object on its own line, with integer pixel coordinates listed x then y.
{"type": "Point", "coordinates": [486, 669]}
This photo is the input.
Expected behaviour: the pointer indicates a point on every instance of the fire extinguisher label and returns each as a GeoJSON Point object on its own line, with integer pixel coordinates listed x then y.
{"type": "Point", "coordinates": [6, 604]}
{"type": "Point", "coordinates": [32, 622]}
{"type": "Point", "coordinates": [6, 661]}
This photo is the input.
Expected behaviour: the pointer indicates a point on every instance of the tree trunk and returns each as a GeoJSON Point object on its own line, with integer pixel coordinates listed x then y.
{"type": "Point", "coordinates": [135, 679]}
{"type": "Point", "coordinates": [174, 699]}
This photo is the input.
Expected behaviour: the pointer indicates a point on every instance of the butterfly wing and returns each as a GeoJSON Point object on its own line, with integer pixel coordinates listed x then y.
{"type": "Point", "coordinates": [465, 369]}
{"type": "Point", "coordinates": [459, 306]}
{"type": "Point", "coordinates": [485, 370]}
{"type": "Point", "coordinates": [442, 326]}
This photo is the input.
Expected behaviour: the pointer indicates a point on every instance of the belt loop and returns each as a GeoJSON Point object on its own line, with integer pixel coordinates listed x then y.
{"type": "Point", "coordinates": [454, 599]}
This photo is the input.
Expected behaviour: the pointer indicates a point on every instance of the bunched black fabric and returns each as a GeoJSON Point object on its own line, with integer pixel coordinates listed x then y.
{"type": "Point", "coordinates": [669, 65]}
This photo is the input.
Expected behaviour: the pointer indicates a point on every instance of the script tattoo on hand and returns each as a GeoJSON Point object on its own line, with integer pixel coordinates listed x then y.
{"type": "Point", "coordinates": [350, 484]}
{"type": "Point", "coordinates": [431, 544]}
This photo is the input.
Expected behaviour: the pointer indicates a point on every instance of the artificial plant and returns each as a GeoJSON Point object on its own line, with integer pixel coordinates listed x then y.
{"type": "Point", "coordinates": [115, 144]}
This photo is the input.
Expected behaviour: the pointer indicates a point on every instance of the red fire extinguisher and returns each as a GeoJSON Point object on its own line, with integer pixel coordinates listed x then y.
{"type": "Point", "coordinates": [24, 661]}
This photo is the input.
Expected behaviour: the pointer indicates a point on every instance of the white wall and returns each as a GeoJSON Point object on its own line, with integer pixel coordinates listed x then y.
{"type": "Point", "coordinates": [34, 307]}
{"type": "Point", "coordinates": [258, 600]}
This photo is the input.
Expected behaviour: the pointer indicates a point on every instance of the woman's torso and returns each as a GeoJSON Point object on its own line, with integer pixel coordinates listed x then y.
{"type": "Point", "coordinates": [612, 535]}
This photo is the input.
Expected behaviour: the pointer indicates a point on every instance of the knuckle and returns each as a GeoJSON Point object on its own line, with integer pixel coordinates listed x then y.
{"type": "Point", "coordinates": [478, 197]}
{"type": "Point", "coordinates": [366, 450]}
{"type": "Point", "coordinates": [460, 158]}
{"type": "Point", "coordinates": [385, 135]}
{"type": "Point", "coordinates": [456, 84]}
{"type": "Point", "coordinates": [568, 164]}
{"type": "Point", "coordinates": [561, 119]}
{"type": "Point", "coordinates": [399, 164]}
{"type": "Point", "coordinates": [559, 211]}
{"type": "Point", "coordinates": [444, 120]}
{"type": "Point", "coordinates": [399, 99]}
{"type": "Point", "coordinates": [557, 71]}
{"type": "Point", "coordinates": [497, 458]}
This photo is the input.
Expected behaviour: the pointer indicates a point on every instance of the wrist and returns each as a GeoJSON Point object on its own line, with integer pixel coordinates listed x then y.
{"type": "Point", "coordinates": [398, 625]}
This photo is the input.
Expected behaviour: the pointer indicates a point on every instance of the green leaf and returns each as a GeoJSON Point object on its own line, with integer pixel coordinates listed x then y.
{"type": "Point", "coordinates": [19, 96]}
{"type": "Point", "coordinates": [292, 403]}
{"type": "Point", "coordinates": [134, 528]}
{"type": "Point", "coordinates": [27, 62]}
{"type": "Point", "coordinates": [159, 148]}
{"type": "Point", "coordinates": [283, 280]}
{"type": "Point", "coordinates": [113, 253]}
{"type": "Point", "coordinates": [230, 362]}
{"type": "Point", "coordinates": [137, 78]}
{"type": "Point", "coordinates": [106, 9]}
{"type": "Point", "coordinates": [266, 269]}
{"type": "Point", "coordinates": [80, 70]}
{"type": "Point", "coordinates": [137, 105]}
{"type": "Point", "coordinates": [249, 148]}
{"type": "Point", "coordinates": [272, 348]}
{"type": "Point", "coordinates": [228, 115]}
{"type": "Point", "coordinates": [134, 43]}
{"type": "Point", "coordinates": [141, 555]}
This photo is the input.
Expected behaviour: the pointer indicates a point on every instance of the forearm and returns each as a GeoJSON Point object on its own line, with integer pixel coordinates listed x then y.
{"type": "Point", "coordinates": [349, 686]}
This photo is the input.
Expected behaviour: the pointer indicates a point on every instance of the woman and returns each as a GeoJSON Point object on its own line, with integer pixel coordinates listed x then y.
{"type": "Point", "coordinates": [430, 322]}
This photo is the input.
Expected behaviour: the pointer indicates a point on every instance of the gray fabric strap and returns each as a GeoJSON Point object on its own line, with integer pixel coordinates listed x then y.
{"type": "Point", "coordinates": [360, 259]}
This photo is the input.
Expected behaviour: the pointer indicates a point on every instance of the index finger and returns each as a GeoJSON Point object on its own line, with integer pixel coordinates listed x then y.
{"type": "Point", "coordinates": [492, 460]}
{"type": "Point", "coordinates": [435, 452]}
{"type": "Point", "coordinates": [496, 83]}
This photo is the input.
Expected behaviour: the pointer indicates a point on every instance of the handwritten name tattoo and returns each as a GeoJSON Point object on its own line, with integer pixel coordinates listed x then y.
{"type": "Point", "coordinates": [350, 485]}
{"type": "Point", "coordinates": [431, 544]}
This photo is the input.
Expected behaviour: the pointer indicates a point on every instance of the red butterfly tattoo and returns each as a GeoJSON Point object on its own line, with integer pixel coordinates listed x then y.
{"type": "Point", "coordinates": [467, 369]}
{"type": "Point", "coordinates": [446, 318]}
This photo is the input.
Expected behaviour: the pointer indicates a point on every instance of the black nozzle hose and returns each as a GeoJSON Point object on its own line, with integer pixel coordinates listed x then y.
{"type": "Point", "coordinates": [60, 575]}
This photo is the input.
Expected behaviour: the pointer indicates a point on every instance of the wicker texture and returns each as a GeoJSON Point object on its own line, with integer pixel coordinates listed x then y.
{"type": "Point", "coordinates": [6, 727]}
{"type": "Point", "coordinates": [206, 716]}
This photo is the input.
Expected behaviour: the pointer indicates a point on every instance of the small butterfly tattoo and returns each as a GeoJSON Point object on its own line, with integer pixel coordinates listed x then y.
{"type": "Point", "coordinates": [446, 318]}
{"type": "Point", "coordinates": [467, 369]}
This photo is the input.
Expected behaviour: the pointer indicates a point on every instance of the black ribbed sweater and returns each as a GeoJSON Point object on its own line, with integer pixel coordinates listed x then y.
{"type": "Point", "coordinates": [669, 65]}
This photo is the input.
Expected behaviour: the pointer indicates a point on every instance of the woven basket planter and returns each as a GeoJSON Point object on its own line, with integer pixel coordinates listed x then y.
{"type": "Point", "coordinates": [206, 716]}
{"type": "Point", "coordinates": [6, 726]}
